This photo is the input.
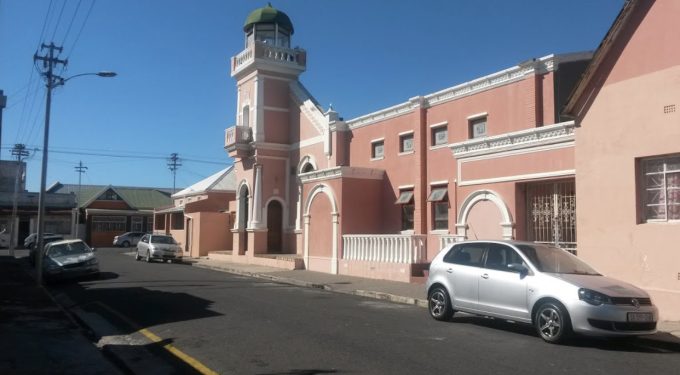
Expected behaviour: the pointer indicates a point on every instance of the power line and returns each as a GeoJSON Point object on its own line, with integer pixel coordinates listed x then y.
{"type": "Point", "coordinates": [70, 24]}
{"type": "Point", "coordinates": [87, 16]}
{"type": "Point", "coordinates": [56, 26]}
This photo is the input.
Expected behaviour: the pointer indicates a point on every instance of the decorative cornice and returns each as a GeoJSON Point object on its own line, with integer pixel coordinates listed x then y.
{"type": "Point", "coordinates": [342, 172]}
{"type": "Point", "coordinates": [308, 106]}
{"type": "Point", "coordinates": [562, 132]}
{"type": "Point", "coordinates": [271, 146]}
{"type": "Point", "coordinates": [516, 73]}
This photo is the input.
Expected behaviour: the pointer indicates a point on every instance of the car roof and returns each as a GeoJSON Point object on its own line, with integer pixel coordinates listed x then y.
{"type": "Point", "coordinates": [507, 242]}
{"type": "Point", "coordinates": [63, 242]}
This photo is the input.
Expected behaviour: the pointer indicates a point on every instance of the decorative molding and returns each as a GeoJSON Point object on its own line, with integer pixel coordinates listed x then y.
{"type": "Point", "coordinates": [387, 113]}
{"type": "Point", "coordinates": [275, 109]}
{"type": "Point", "coordinates": [378, 140]}
{"type": "Point", "coordinates": [530, 176]}
{"type": "Point", "coordinates": [557, 133]}
{"type": "Point", "coordinates": [342, 172]}
{"type": "Point", "coordinates": [439, 124]}
{"type": "Point", "coordinates": [484, 195]}
{"type": "Point", "coordinates": [308, 106]}
{"type": "Point", "coordinates": [408, 132]}
{"type": "Point", "coordinates": [271, 146]}
{"type": "Point", "coordinates": [405, 187]}
{"type": "Point", "coordinates": [442, 182]}
{"type": "Point", "coordinates": [307, 142]}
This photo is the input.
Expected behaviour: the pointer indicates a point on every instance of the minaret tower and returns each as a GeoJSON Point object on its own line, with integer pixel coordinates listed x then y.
{"type": "Point", "coordinates": [260, 140]}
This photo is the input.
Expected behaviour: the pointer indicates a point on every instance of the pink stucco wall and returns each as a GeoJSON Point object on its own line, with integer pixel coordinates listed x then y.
{"type": "Point", "coordinates": [626, 122]}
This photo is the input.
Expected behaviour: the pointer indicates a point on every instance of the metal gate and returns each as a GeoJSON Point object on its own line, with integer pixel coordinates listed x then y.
{"type": "Point", "coordinates": [551, 209]}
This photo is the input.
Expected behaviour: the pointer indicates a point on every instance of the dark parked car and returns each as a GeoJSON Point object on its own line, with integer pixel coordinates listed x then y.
{"type": "Point", "coordinates": [69, 259]}
{"type": "Point", "coordinates": [32, 245]}
{"type": "Point", "coordinates": [127, 239]}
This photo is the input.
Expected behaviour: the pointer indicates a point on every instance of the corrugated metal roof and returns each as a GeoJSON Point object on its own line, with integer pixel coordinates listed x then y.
{"type": "Point", "coordinates": [137, 197]}
{"type": "Point", "coordinates": [224, 180]}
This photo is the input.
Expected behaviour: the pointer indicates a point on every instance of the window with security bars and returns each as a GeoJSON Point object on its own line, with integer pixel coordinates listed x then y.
{"type": "Point", "coordinates": [108, 223]}
{"type": "Point", "coordinates": [661, 189]}
{"type": "Point", "coordinates": [149, 223]}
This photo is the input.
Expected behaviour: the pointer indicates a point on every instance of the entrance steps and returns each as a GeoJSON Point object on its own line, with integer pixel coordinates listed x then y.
{"type": "Point", "coordinates": [283, 261]}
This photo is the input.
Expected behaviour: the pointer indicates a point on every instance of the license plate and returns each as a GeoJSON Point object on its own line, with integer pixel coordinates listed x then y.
{"type": "Point", "coordinates": [640, 317]}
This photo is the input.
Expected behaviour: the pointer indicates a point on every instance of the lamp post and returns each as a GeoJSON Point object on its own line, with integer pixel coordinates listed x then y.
{"type": "Point", "coordinates": [53, 81]}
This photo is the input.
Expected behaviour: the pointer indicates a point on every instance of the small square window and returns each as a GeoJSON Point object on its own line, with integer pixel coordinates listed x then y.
{"type": "Point", "coordinates": [406, 143]}
{"type": "Point", "coordinates": [377, 149]}
{"type": "Point", "coordinates": [478, 127]}
{"type": "Point", "coordinates": [440, 136]}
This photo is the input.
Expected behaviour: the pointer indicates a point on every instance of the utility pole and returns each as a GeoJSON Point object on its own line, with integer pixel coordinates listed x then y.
{"type": "Point", "coordinates": [174, 162]}
{"type": "Point", "coordinates": [80, 169]}
{"type": "Point", "coordinates": [19, 151]}
{"type": "Point", "coordinates": [3, 103]}
{"type": "Point", "coordinates": [49, 62]}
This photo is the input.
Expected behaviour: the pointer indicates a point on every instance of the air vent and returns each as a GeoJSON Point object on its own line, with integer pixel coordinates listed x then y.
{"type": "Point", "coordinates": [669, 108]}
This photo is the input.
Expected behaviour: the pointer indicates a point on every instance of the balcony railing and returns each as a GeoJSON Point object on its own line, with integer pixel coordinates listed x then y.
{"type": "Point", "coordinates": [385, 248]}
{"type": "Point", "coordinates": [293, 57]}
{"type": "Point", "coordinates": [237, 135]}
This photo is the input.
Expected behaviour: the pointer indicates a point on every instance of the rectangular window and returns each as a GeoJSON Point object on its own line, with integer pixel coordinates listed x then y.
{"type": "Point", "coordinates": [177, 220]}
{"type": "Point", "coordinates": [108, 223]}
{"type": "Point", "coordinates": [478, 127]}
{"type": "Point", "coordinates": [661, 194]}
{"type": "Point", "coordinates": [440, 135]}
{"type": "Point", "coordinates": [407, 208]}
{"type": "Point", "coordinates": [406, 143]}
{"type": "Point", "coordinates": [149, 223]}
{"type": "Point", "coordinates": [440, 207]}
{"type": "Point", "coordinates": [160, 221]}
{"type": "Point", "coordinates": [377, 149]}
{"type": "Point", "coordinates": [136, 224]}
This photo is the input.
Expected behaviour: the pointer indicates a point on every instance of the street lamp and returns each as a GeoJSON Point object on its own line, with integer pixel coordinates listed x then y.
{"type": "Point", "coordinates": [53, 81]}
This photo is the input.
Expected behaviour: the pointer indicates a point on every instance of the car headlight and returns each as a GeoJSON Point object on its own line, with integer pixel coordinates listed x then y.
{"type": "Point", "coordinates": [593, 297]}
{"type": "Point", "coordinates": [92, 262]}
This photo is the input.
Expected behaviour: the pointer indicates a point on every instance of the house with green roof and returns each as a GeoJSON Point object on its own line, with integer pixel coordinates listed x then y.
{"type": "Point", "coordinates": [105, 211]}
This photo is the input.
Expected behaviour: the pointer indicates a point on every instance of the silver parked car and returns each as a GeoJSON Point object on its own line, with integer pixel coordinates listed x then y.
{"type": "Point", "coordinates": [69, 259]}
{"type": "Point", "coordinates": [536, 284]}
{"type": "Point", "coordinates": [127, 239]}
{"type": "Point", "coordinates": [157, 246]}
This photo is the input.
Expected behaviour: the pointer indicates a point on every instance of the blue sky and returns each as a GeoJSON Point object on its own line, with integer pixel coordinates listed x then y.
{"type": "Point", "coordinates": [174, 93]}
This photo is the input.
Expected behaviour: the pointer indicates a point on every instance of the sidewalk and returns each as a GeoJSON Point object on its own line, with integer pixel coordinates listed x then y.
{"type": "Point", "coordinates": [394, 291]}
{"type": "Point", "coordinates": [36, 336]}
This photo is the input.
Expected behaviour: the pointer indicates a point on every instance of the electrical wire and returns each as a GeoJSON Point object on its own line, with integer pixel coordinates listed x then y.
{"type": "Point", "coordinates": [56, 26]}
{"type": "Point", "coordinates": [87, 17]}
{"type": "Point", "coordinates": [68, 30]}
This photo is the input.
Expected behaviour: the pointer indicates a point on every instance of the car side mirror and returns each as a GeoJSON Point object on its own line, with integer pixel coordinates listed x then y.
{"type": "Point", "coordinates": [519, 268]}
{"type": "Point", "coordinates": [94, 249]}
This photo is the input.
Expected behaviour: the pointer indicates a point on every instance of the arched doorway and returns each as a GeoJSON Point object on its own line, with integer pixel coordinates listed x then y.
{"type": "Point", "coordinates": [243, 219]}
{"type": "Point", "coordinates": [484, 215]}
{"type": "Point", "coordinates": [274, 227]}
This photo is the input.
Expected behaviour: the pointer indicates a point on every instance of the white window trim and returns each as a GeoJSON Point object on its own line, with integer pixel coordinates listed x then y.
{"type": "Point", "coordinates": [406, 153]}
{"type": "Point", "coordinates": [439, 124]}
{"type": "Point", "coordinates": [374, 141]}
{"type": "Point", "coordinates": [406, 133]}
{"type": "Point", "coordinates": [406, 187]}
{"type": "Point", "coordinates": [439, 183]}
{"type": "Point", "coordinates": [478, 116]}
{"type": "Point", "coordinates": [439, 231]}
{"type": "Point", "coordinates": [437, 147]}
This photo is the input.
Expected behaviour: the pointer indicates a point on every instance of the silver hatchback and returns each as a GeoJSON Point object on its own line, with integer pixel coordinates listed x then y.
{"type": "Point", "coordinates": [536, 284]}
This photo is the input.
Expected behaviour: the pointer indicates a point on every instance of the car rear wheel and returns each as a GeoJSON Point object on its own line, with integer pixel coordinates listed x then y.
{"type": "Point", "coordinates": [126, 244]}
{"type": "Point", "coordinates": [439, 304]}
{"type": "Point", "coordinates": [552, 322]}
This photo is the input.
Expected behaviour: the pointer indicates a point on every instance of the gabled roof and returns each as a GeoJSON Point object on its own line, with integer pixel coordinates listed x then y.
{"type": "Point", "coordinates": [136, 197]}
{"type": "Point", "coordinates": [222, 181]}
{"type": "Point", "coordinates": [599, 56]}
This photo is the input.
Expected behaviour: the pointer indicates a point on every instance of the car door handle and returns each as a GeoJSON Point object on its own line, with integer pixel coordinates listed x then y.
{"type": "Point", "coordinates": [450, 270]}
{"type": "Point", "coordinates": [485, 276]}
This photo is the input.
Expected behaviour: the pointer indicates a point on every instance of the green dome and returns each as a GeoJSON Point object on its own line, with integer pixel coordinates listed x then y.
{"type": "Point", "coordinates": [268, 14]}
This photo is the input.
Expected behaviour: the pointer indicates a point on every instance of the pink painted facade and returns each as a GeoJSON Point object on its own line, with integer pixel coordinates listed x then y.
{"type": "Point", "coordinates": [628, 154]}
{"type": "Point", "coordinates": [379, 195]}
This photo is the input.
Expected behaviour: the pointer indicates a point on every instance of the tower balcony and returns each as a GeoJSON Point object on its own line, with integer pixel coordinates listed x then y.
{"type": "Point", "coordinates": [258, 54]}
{"type": "Point", "coordinates": [237, 141]}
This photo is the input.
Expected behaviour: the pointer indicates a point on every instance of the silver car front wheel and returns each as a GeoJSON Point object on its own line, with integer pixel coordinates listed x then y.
{"type": "Point", "coordinates": [552, 322]}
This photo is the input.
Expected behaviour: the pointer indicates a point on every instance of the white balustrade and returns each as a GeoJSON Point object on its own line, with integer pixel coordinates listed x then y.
{"type": "Point", "coordinates": [385, 248]}
{"type": "Point", "coordinates": [446, 240]}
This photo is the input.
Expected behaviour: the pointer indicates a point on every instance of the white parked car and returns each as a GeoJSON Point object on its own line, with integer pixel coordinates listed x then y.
{"type": "Point", "coordinates": [536, 284]}
{"type": "Point", "coordinates": [157, 246]}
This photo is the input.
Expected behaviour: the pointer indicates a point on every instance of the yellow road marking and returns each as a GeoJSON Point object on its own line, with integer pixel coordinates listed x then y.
{"type": "Point", "coordinates": [191, 361]}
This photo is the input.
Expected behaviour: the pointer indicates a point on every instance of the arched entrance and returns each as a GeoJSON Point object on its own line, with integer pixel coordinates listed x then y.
{"type": "Point", "coordinates": [484, 215]}
{"type": "Point", "coordinates": [321, 230]}
{"type": "Point", "coordinates": [274, 227]}
{"type": "Point", "coordinates": [242, 219]}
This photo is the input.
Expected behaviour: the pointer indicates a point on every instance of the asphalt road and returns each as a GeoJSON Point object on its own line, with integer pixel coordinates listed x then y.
{"type": "Point", "coordinates": [240, 325]}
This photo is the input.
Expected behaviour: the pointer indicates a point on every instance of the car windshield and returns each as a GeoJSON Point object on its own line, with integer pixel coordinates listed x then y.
{"type": "Point", "coordinates": [73, 248]}
{"type": "Point", "coordinates": [163, 239]}
{"type": "Point", "coordinates": [555, 260]}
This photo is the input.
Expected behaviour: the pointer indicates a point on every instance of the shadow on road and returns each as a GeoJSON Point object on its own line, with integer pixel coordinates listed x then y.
{"type": "Point", "coordinates": [657, 343]}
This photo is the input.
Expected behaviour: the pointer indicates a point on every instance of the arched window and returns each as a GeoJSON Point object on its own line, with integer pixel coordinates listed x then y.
{"type": "Point", "coordinates": [307, 168]}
